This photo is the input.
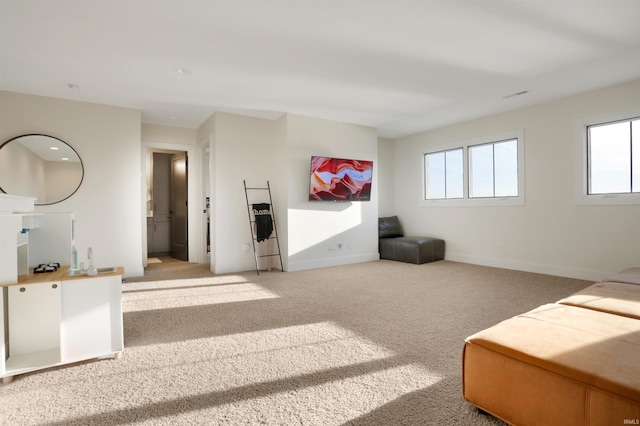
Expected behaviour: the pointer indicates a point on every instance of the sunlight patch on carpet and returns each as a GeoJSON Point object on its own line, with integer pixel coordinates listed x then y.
{"type": "Point", "coordinates": [292, 350]}
{"type": "Point", "coordinates": [193, 296]}
{"type": "Point", "coordinates": [332, 403]}
{"type": "Point", "coordinates": [316, 371]}
{"type": "Point", "coordinates": [319, 370]}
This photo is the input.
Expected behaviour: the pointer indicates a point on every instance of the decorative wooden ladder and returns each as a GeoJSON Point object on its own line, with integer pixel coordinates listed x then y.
{"type": "Point", "coordinates": [252, 225]}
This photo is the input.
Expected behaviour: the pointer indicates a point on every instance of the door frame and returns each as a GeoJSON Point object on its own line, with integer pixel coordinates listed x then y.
{"type": "Point", "coordinates": [205, 189]}
{"type": "Point", "coordinates": [195, 230]}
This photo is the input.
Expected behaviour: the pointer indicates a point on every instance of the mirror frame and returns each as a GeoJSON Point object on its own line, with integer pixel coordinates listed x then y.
{"type": "Point", "coordinates": [60, 140]}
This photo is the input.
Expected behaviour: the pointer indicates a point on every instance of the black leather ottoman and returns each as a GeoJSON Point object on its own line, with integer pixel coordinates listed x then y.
{"type": "Point", "coordinates": [416, 250]}
{"type": "Point", "coordinates": [393, 245]}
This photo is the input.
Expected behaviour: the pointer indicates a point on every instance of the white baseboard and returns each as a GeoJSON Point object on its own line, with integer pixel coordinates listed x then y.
{"type": "Point", "coordinates": [332, 261]}
{"type": "Point", "coordinates": [560, 271]}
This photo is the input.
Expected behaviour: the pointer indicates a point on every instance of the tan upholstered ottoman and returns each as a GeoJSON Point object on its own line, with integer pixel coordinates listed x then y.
{"type": "Point", "coordinates": [629, 276]}
{"type": "Point", "coordinates": [612, 297]}
{"type": "Point", "coordinates": [556, 365]}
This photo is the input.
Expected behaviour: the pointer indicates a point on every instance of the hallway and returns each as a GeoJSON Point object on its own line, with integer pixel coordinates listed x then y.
{"type": "Point", "coordinates": [169, 268]}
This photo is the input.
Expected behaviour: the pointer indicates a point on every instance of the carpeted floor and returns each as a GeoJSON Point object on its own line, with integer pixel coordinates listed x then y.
{"type": "Point", "coordinates": [377, 343]}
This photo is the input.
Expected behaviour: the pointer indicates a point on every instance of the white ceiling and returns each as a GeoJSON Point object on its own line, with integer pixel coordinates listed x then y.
{"type": "Point", "coordinates": [400, 66]}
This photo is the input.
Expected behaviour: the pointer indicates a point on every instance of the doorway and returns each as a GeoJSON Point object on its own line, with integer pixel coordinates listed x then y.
{"type": "Point", "coordinates": [179, 205]}
{"type": "Point", "coordinates": [167, 220]}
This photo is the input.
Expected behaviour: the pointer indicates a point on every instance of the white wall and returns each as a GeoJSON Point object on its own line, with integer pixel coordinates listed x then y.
{"type": "Point", "coordinates": [314, 228]}
{"type": "Point", "coordinates": [243, 149]}
{"type": "Point", "coordinates": [551, 233]}
{"type": "Point", "coordinates": [386, 188]}
{"type": "Point", "coordinates": [108, 141]}
{"type": "Point", "coordinates": [279, 151]}
{"type": "Point", "coordinates": [281, 182]}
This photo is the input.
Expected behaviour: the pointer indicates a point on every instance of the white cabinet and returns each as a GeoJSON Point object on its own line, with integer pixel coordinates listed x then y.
{"type": "Point", "coordinates": [34, 325]}
{"type": "Point", "coordinates": [51, 318]}
{"type": "Point", "coordinates": [65, 320]}
{"type": "Point", "coordinates": [91, 323]}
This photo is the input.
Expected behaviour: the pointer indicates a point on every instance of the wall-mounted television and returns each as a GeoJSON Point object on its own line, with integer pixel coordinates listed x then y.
{"type": "Point", "coordinates": [340, 179]}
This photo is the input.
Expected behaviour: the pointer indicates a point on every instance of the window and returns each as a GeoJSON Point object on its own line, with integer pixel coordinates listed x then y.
{"type": "Point", "coordinates": [613, 157]}
{"type": "Point", "coordinates": [485, 171]}
{"type": "Point", "coordinates": [443, 174]}
{"type": "Point", "coordinates": [493, 169]}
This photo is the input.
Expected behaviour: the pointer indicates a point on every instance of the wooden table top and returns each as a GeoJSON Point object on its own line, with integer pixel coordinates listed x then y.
{"type": "Point", "coordinates": [60, 275]}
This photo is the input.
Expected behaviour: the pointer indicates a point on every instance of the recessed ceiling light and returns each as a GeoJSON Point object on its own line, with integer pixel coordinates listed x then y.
{"type": "Point", "coordinates": [65, 159]}
{"type": "Point", "coordinates": [183, 71]}
{"type": "Point", "coordinates": [55, 148]}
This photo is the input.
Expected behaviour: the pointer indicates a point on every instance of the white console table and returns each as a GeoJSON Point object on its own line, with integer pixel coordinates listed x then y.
{"type": "Point", "coordinates": [54, 319]}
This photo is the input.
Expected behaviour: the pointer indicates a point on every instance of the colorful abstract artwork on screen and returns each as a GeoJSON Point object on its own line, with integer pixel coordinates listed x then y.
{"type": "Point", "coordinates": [339, 179]}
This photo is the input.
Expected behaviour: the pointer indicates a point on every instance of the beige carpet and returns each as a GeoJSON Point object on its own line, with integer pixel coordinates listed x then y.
{"type": "Point", "coordinates": [378, 343]}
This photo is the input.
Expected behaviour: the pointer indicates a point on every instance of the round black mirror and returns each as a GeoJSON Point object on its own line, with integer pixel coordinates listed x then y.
{"type": "Point", "coordinates": [41, 167]}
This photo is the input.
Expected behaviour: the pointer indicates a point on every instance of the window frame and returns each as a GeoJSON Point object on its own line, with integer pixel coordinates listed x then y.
{"type": "Point", "coordinates": [518, 200]}
{"type": "Point", "coordinates": [425, 168]}
{"type": "Point", "coordinates": [582, 196]}
{"type": "Point", "coordinates": [493, 165]}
